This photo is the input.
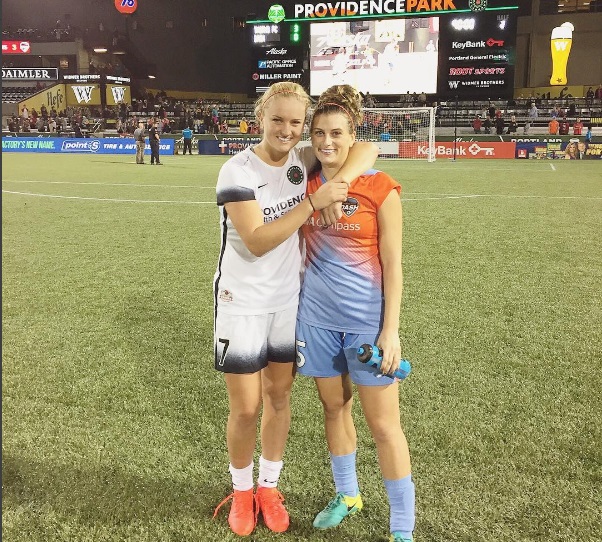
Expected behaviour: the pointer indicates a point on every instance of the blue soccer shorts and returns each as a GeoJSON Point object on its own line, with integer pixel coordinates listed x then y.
{"type": "Point", "coordinates": [323, 353]}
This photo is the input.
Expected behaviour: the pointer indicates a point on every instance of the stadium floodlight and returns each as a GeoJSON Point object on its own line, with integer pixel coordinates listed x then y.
{"type": "Point", "coordinates": [100, 49]}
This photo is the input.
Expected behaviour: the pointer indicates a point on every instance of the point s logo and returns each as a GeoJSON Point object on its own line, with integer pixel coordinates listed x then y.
{"type": "Point", "coordinates": [83, 94]}
{"type": "Point", "coordinates": [77, 145]}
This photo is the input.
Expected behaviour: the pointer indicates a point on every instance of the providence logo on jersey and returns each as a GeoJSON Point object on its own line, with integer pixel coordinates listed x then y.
{"type": "Point", "coordinates": [350, 205]}
{"type": "Point", "coordinates": [295, 175]}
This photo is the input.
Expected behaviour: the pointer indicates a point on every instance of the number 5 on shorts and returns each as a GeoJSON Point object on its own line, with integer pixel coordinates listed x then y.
{"type": "Point", "coordinates": [300, 356]}
{"type": "Point", "coordinates": [226, 343]}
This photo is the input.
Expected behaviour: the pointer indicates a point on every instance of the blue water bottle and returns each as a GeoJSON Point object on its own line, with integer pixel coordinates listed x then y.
{"type": "Point", "coordinates": [372, 355]}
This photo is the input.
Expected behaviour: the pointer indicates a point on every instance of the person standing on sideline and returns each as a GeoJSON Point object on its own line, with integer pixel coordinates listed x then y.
{"type": "Point", "coordinates": [351, 295]}
{"type": "Point", "coordinates": [187, 135]}
{"type": "Point", "coordinates": [154, 138]}
{"type": "Point", "coordinates": [577, 127]}
{"type": "Point", "coordinates": [262, 204]}
{"type": "Point", "coordinates": [243, 126]}
{"type": "Point", "coordinates": [139, 137]}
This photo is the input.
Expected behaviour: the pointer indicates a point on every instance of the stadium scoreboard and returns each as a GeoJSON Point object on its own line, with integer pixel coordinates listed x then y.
{"type": "Point", "coordinates": [463, 49]}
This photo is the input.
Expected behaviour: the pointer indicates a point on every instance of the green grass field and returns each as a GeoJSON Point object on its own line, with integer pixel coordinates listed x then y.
{"type": "Point", "coordinates": [113, 417]}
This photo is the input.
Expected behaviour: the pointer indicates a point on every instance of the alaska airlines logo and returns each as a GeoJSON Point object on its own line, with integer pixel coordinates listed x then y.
{"type": "Point", "coordinates": [83, 94]}
{"type": "Point", "coordinates": [350, 205]}
{"type": "Point", "coordinates": [118, 94]}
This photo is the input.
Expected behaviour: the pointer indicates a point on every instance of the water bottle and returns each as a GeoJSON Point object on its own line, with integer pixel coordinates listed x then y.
{"type": "Point", "coordinates": [372, 355]}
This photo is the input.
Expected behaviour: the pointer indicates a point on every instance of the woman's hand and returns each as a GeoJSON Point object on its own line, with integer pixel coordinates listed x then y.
{"type": "Point", "coordinates": [390, 346]}
{"type": "Point", "coordinates": [330, 192]}
{"type": "Point", "coordinates": [332, 213]}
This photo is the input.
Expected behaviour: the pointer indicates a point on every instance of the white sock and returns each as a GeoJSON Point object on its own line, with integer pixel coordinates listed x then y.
{"type": "Point", "coordinates": [242, 479]}
{"type": "Point", "coordinates": [269, 472]}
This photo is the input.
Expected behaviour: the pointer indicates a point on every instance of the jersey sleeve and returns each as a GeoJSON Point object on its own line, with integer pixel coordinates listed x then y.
{"type": "Point", "coordinates": [234, 184]}
{"type": "Point", "coordinates": [382, 184]}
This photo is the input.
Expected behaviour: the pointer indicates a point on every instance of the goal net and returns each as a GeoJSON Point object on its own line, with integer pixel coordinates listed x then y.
{"type": "Point", "coordinates": [406, 133]}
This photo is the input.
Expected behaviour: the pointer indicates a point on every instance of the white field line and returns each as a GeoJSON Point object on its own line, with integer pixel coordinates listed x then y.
{"type": "Point", "coordinates": [114, 200]}
{"type": "Point", "coordinates": [114, 184]}
{"type": "Point", "coordinates": [552, 166]}
{"type": "Point", "coordinates": [436, 197]}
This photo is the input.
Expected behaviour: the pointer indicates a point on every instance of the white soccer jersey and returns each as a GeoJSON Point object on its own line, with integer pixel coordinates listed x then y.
{"type": "Point", "coordinates": [244, 283]}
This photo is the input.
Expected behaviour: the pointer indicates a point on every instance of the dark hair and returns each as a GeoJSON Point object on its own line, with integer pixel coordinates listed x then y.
{"type": "Point", "coordinates": [341, 99]}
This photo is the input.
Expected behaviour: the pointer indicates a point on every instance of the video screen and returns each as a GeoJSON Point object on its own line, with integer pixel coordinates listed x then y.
{"type": "Point", "coordinates": [394, 56]}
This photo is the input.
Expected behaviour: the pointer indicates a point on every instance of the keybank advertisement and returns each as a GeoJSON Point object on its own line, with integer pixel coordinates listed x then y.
{"type": "Point", "coordinates": [80, 145]}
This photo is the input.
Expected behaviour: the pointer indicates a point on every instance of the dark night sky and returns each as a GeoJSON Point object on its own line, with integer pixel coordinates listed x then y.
{"type": "Point", "coordinates": [187, 56]}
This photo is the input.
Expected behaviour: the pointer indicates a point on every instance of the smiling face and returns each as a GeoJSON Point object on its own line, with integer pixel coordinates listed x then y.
{"type": "Point", "coordinates": [331, 139]}
{"type": "Point", "coordinates": [282, 121]}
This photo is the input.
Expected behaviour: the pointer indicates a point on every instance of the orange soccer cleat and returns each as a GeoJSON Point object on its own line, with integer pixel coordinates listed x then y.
{"type": "Point", "coordinates": [268, 501]}
{"type": "Point", "coordinates": [242, 517]}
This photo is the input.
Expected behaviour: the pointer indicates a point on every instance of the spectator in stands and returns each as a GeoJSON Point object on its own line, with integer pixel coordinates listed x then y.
{"type": "Point", "coordinates": [25, 114]}
{"type": "Point", "coordinates": [533, 112]}
{"type": "Point", "coordinates": [165, 126]}
{"type": "Point", "coordinates": [77, 129]}
{"type": "Point", "coordinates": [477, 124]}
{"type": "Point", "coordinates": [589, 97]}
{"type": "Point", "coordinates": [385, 135]}
{"type": "Point", "coordinates": [598, 94]}
{"type": "Point", "coordinates": [368, 100]}
{"type": "Point", "coordinates": [512, 125]}
{"type": "Point", "coordinates": [500, 124]}
{"type": "Point", "coordinates": [12, 124]}
{"type": "Point", "coordinates": [44, 111]}
{"type": "Point", "coordinates": [563, 127]}
{"type": "Point", "coordinates": [487, 124]}
{"type": "Point", "coordinates": [491, 111]}
{"type": "Point", "coordinates": [555, 112]}
{"type": "Point", "coordinates": [577, 127]}
{"type": "Point", "coordinates": [422, 98]}
{"type": "Point", "coordinates": [553, 126]}
{"type": "Point", "coordinates": [243, 126]}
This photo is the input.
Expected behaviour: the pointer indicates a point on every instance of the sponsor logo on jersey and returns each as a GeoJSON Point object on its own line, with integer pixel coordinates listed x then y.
{"type": "Point", "coordinates": [350, 205]}
{"type": "Point", "coordinates": [225, 295]}
{"type": "Point", "coordinates": [295, 175]}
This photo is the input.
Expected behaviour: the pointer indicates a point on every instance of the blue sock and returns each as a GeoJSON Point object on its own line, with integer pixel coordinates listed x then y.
{"type": "Point", "coordinates": [402, 499]}
{"type": "Point", "coordinates": [345, 476]}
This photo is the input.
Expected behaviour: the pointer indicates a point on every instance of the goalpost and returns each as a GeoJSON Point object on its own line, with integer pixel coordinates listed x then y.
{"type": "Point", "coordinates": [403, 133]}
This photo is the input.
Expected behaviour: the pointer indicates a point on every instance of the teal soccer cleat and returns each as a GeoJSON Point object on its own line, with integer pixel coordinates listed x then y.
{"type": "Point", "coordinates": [397, 537]}
{"type": "Point", "coordinates": [338, 509]}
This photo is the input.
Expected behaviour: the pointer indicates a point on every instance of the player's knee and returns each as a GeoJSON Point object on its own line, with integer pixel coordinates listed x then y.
{"type": "Point", "coordinates": [278, 397]}
{"type": "Point", "coordinates": [336, 407]}
{"type": "Point", "coordinates": [245, 415]}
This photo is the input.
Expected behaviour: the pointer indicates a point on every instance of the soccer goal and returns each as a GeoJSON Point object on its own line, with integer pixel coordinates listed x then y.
{"type": "Point", "coordinates": [405, 133]}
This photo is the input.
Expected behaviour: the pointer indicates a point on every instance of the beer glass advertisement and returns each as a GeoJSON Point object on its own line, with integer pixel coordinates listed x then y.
{"type": "Point", "coordinates": [477, 54]}
{"type": "Point", "coordinates": [390, 56]}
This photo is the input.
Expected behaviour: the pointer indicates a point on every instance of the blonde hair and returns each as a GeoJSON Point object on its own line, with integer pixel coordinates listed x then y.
{"type": "Point", "coordinates": [284, 88]}
{"type": "Point", "coordinates": [341, 99]}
